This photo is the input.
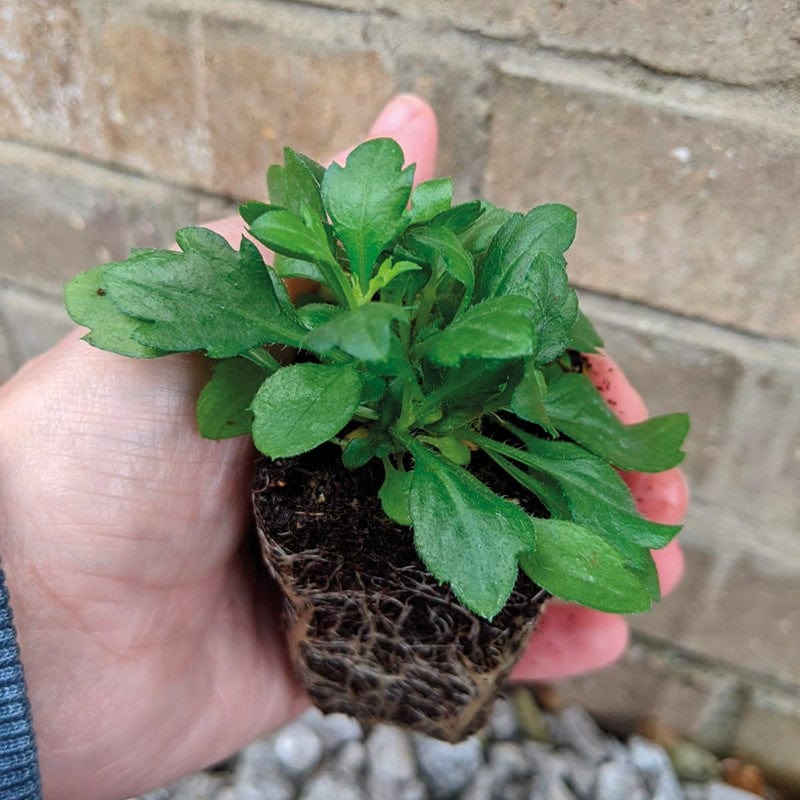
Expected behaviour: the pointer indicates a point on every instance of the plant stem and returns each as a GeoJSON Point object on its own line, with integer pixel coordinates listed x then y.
{"type": "Point", "coordinates": [258, 355]}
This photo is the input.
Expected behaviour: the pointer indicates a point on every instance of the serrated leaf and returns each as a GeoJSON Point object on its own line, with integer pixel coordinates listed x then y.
{"type": "Point", "coordinates": [295, 185]}
{"type": "Point", "coordinates": [366, 201]}
{"type": "Point", "coordinates": [596, 494]}
{"type": "Point", "coordinates": [395, 493]}
{"type": "Point", "coordinates": [429, 199]}
{"type": "Point", "coordinates": [207, 297]}
{"type": "Point", "coordinates": [364, 332]}
{"type": "Point", "coordinates": [459, 218]}
{"type": "Point", "coordinates": [292, 235]}
{"type": "Point", "coordinates": [497, 328]}
{"type": "Point", "coordinates": [583, 336]}
{"type": "Point", "coordinates": [576, 408]}
{"type": "Point", "coordinates": [88, 303]}
{"type": "Point", "coordinates": [576, 564]}
{"type": "Point", "coordinates": [468, 537]}
{"type": "Point", "coordinates": [302, 406]}
{"type": "Point", "coordinates": [223, 408]}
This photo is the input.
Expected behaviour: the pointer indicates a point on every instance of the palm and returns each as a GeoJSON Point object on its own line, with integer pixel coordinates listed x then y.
{"type": "Point", "coordinates": [145, 548]}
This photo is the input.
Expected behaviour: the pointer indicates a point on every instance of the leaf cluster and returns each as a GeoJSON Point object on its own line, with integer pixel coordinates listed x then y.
{"type": "Point", "coordinates": [438, 331]}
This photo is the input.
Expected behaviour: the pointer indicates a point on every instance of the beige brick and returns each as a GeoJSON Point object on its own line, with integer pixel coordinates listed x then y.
{"type": "Point", "coordinates": [771, 739]}
{"type": "Point", "coordinates": [674, 375]}
{"type": "Point", "coordinates": [33, 323]}
{"type": "Point", "coordinates": [746, 43]}
{"type": "Point", "coordinates": [59, 217]}
{"type": "Point", "coordinates": [639, 687]}
{"type": "Point", "coordinates": [685, 213]}
{"type": "Point", "coordinates": [752, 619]}
{"type": "Point", "coordinates": [7, 361]}
{"type": "Point", "coordinates": [144, 67]}
{"type": "Point", "coordinates": [269, 87]}
{"type": "Point", "coordinates": [45, 89]}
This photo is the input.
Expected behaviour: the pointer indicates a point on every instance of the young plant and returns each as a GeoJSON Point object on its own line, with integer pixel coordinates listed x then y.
{"type": "Point", "coordinates": [438, 331]}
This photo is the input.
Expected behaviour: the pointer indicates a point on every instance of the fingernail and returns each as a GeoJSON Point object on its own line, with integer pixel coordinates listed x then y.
{"type": "Point", "coordinates": [397, 114]}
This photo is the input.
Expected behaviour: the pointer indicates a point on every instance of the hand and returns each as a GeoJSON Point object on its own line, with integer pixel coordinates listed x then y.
{"type": "Point", "coordinates": [150, 646]}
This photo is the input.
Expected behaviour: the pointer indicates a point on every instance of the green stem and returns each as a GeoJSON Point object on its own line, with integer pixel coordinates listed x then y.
{"type": "Point", "coordinates": [264, 360]}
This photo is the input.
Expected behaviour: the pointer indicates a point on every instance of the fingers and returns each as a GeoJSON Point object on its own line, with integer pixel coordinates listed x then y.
{"type": "Point", "coordinates": [570, 640]}
{"type": "Point", "coordinates": [661, 496]}
{"type": "Point", "coordinates": [407, 119]}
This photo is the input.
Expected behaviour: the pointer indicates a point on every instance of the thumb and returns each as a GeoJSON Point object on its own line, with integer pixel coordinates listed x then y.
{"type": "Point", "coordinates": [411, 122]}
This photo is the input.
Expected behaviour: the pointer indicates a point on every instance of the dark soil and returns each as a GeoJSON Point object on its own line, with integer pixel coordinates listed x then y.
{"type": "Point", "coordinates": [371, 633]}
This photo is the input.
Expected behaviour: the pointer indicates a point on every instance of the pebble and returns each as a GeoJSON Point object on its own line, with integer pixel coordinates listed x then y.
{"type": "Point", "coordinates": [391, 762]}
{"type": "Point", "coordinates": [508, 761]}
{"type": "Point", "coordinates": [448, 768]}
{"type": "Point", "coordinates": [333, 729]}
{"type": "Point", "coordinates": [258, 775]}
{"type": "Point", "coordinates": [650, 759]}
{"type": "Point", "coordinates": [298, 749]}
{"type": "Point", "coordinates": [691, 762]}
{"type": "Point", "coordinates": [503, 721]}
{"type": "Point", "coordinates": [579, 776]}
{"type": "Point", "coordinates": [331, 786]}
{"type": "Point", "coordinates": [574, 728]}
{"type": "Point", "coordinates": [350, 758]}
{"type": "Point", "coordinates": [668, 787]}
{"type": "Point", "coordinates": [550, 788]}
{"type": "Point", "coordinates": [617, 780]}
{"type": "Point", "coordinates": [202, 786]}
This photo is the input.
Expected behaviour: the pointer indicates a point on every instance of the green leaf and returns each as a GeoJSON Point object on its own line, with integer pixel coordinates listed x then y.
{"type": "Point", "coordinates": [394, 494]}
{"type": "Point", "coordinates": [364, 332]}
{"type": "Point", "coordinates": [287, 267]}
{"type": "Point", "coordinates": [292, 235]}
{"type": "Point", "coordinates": [208, 297]}
{"type": "Point", "coordinates": [253, 209]}
{"type": "Point", "coordinates": [596, 494]}
{"type": "Point", "coordinates": [295, 185]}
{"type": "Point", "coordinates": [429, 199]}
{"type": "Point", "coordinates": [539, 485]}
{"type": "Point", "coordinates": [467, 536]}
{"type": "Point", "coordinates": [498, 328]}
{"type": "Point", "coordinates": [302, 406]}
{"type": "Point", "coordinates": [358, 452]}
{"type": "Point", "coordinates": [437, 244]}
{"type": "Point", "coordinates": [527, 402]}
{"type": "Point", "coordinates": [576, 408]}
{"type": "Point", "coordinates": [477, 237]}
{"type": "Point", "coordinates": [548, 229]}
{"type": "Point", "coordinates": [223, 408]}
{"type": "Point", "coordinates": [459, 218]}
{"type": "Point", "coordinates": [576, 564]}
{"type": "Point", "coordinates": [88, 303]}
{"type": "Point", "coordinates": [387, 272]}
{"type": "Point", "coordinates": [583, 336]}
{"type": "Point", "coordinates": [314, 315]}
{"type": "Point", "coordinates": [366, 200]}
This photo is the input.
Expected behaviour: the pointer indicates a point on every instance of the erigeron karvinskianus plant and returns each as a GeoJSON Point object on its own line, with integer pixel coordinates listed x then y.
{"type": "Point", "coordinates": [436, 461]}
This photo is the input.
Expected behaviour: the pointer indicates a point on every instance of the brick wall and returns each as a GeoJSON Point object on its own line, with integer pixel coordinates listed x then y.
{"type": "Point", "coordinates": [673, 129]}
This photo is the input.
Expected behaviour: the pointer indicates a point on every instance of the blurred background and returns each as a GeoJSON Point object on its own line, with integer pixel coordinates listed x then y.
{"type": "Point", "coordinates": [672, 128]}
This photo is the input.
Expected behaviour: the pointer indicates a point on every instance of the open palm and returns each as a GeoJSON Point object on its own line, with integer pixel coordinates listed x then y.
{"type": "Point", "coordinates": [149, 634]}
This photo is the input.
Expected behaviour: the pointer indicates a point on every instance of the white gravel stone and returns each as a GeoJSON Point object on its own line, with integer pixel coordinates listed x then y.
{"type": "Point", "coordinates": [391, 762]}
{"type": "Point", "coordinates": [574, 728]}
{"type": "Point", "coordinates": [350, 758]}
{"type": "Point", "coordinates": [202, 786]}
{"type": "Point", "coordinates": [550, 788]}
{"type": "Point", "coordinates": [580, 776]}
{"type": "Point", "coordinates": [331, 786]}
{"type": "Point", "coordinates": [448, 768]}
{"type": "Point", "coordinates": [298, 749]}
{"type": "Point", "coordinates": [483, 785]}
{"type": "Point", "coordinates": [649, 758]}
{"type": "Point", "coordinates": [508, 761]}
{"type": "Point", "coordinates": [668, 787]}
{"type": "Point", "coordinates": [258, 775]}
{"type": "Point", "coordinates": [503, 721]}
{"type": "Point", "coordinates": [333, 729]}
{"type": "Point", "coordinates": [617, 780]}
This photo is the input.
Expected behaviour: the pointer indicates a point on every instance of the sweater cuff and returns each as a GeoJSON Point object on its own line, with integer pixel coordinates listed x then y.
{"type": "Point", "coordinates": [19, 767]}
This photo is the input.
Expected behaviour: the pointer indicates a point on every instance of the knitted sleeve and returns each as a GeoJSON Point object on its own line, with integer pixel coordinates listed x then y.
{"type": "Point", "coordinates": [19, 767]}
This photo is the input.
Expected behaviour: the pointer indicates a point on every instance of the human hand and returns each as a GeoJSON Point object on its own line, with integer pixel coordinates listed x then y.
{"type": "Point", "coordinates": [150, 649]}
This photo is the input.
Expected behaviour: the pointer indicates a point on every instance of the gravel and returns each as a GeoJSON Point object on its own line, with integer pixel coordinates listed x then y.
{"type": "Point", "coordinates": [319, 757]}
